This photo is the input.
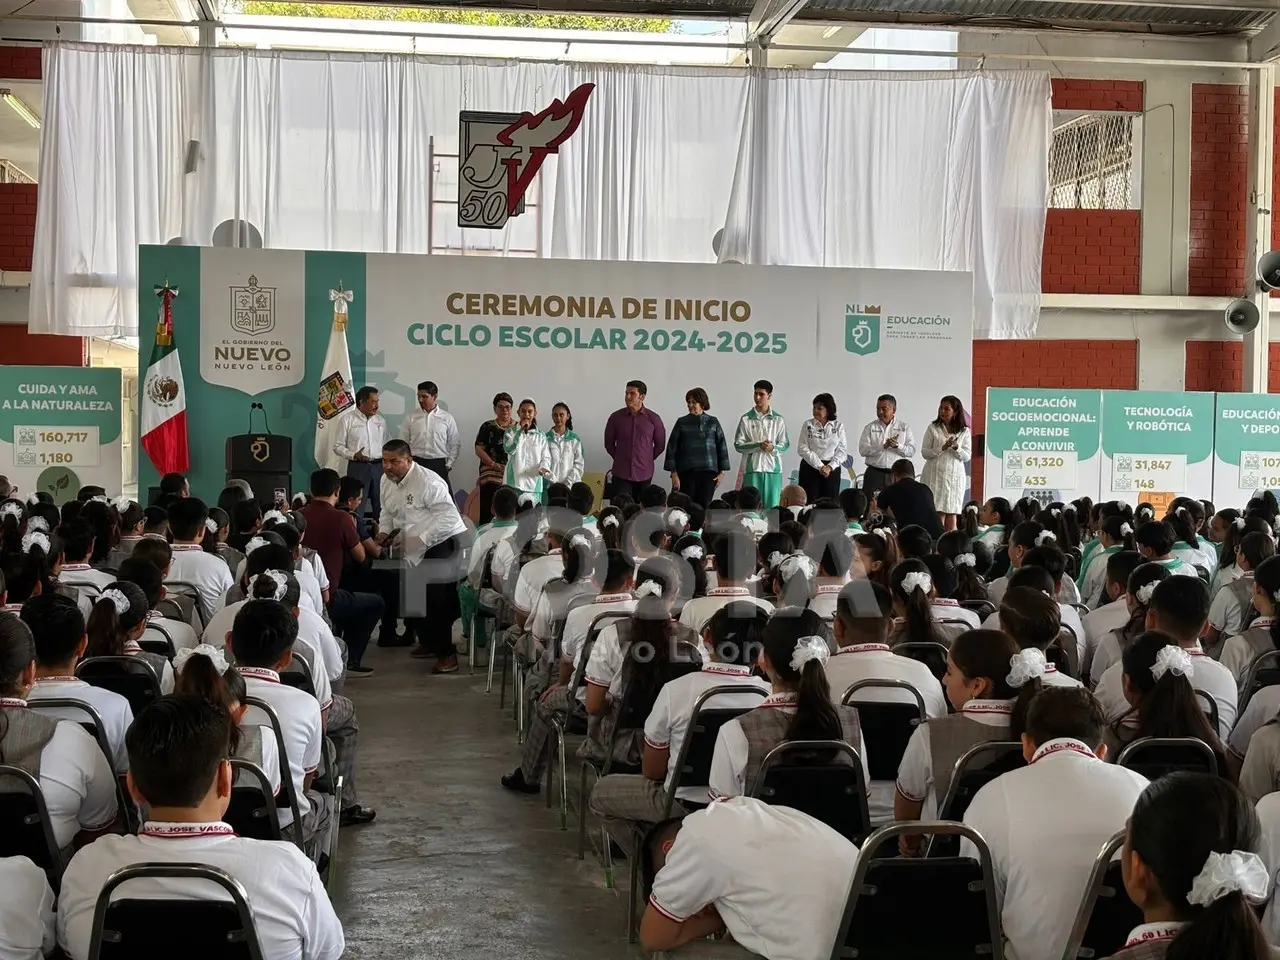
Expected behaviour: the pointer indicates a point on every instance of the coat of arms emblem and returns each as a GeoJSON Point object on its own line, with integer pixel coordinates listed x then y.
{"type": "Point", "coordinates": [253, 308]}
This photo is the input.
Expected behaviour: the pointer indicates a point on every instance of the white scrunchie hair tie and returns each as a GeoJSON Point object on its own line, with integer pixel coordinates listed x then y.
{"type": "Point", "coordinates": [650, 588]}
{"type": "Point", "coordinates": [11, 508]}
{"type": "Point", "coordinates": [122, 504]}
{"type": "Point", "coordinates": [1175, 660]}
{"type": "Point", "coordinates": [212, 654]}
{"type": "Point", "coordinates": [775, 559]}
{"type": "Point", "coordinates": [99, 498]}
{"type": "Point", "coordinates": [1145, 592]}
{"type": "Point", "coordinates": [1043, 536]}
{"type": "Point", "coordinates": [1125, 529]}
{"type": "Point", "coordinates": [965, 560]}
{"type": "Point", "coordinates": [35, 539]}
{"type": "Point", "coordinates": [917, 580]}
{"type": "Point", "coordinates": [118, 600]}
{"type": "Point", "coordinates": [1226, 873]}
{"type": "Point", "coordinates": [33, 500]}
{"type": "Point", "coordinates": [1025, 665]}
{"type": "Point", "coordinates": [797, 563]}
{"type": "Point", "coordinates": [274, 515]}
{"type": "Point", "coordinates": [971, 508]}
{"type": "Point", "coordinates": [211, 525]}
{"type": "Point", "coordinates": [254, 544]}
{"type": "Point", "coordinates": [882, 533]}
{"type": "Point", "coordinates": [1055, 512]}
{"type": "Point", "coordinates": [609, 521]}
{"type": "Point", "coordinates": [693, 552]}
{"type": "Point", "coordinates": [677, 517]}
{"type": "Point", "coordinates": [579, 540]}
{"type": "Point", "coordinates": [526, 499]}
{"type": "Point", "coordinates": [1238, 523]}
{"type": "Point", "coordinates": [809, 648]}
{"type": "Point", "coordinates": [1069, 507]}
{"type": "Point", "coordinates": [281, 581]}
{"type": "Point", "coordinates": [37, 525]}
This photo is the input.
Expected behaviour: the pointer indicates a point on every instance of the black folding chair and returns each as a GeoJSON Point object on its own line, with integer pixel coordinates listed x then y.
{"type": "Point", "coordinates": [298, 675]}
{"type": "Point", "coordinates": [973, 771]}
{"type": "Point", "coordinates": [1106, 913]}
{"type": "Point", "coordinates": [952, 627]}
{"type": "Point", "coordinates": [129, 929]}
{"type": "Point", "coordinates": [131, 677]}
{"type": "Point", "coordinates": [883, 918]}
{"type": "Point", "coordinates": [162, 645]}
{"type": "Point", "coordinates": [1154, 757]}
{"type": "Point", "coordinates": [932, 655]}
{"type": "Point", "coordinates": [90, 721]}
{"type": "Point", "coordinates": [189, 591]}
{"type": "Point", "coordinates": [25, 827]}
{"type": "Point", "coordinates": [1070, 645]}
{"type": "Point", "coordinates": [809, 776]}
{"type": "Point", "coordinates": [983, 608]}
{"type": "Point", "coordinates": [1264, 671]}
{"type": "Point", "coordinates": [887, 727]}
{"type": "Point", "coordinates": [1210, 707]}
{"type": "Point", "coordinates": [252, 810]}
{"type": "Point", "coordinates": [287, 798]}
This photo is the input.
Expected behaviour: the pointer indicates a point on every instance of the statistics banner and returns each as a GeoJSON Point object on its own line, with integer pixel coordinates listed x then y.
{"type": "Point", "coordinates": [1156, 445]}
{"type": "Point", "coordinates": [1042, 443]}
{"type": "Point", "coordinates": [555, 331]}
{"type": "Point", "coordinates": [1246, 454]}
{"type": "Point", "coordinates": [60, 429]}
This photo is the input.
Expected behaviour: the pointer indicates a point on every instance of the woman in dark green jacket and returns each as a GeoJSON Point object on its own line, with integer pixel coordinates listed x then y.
{"type": "Point", "coordinates": [697, 452]}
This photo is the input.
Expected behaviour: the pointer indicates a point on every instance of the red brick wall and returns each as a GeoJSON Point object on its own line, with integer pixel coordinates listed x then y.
{"type": "Point", "coordinates": [1125, 96]}
{"type": "Point", "coordinates": [19, 63]}
{"type": "Point", "coordinates": [1215, 365]}
{"type": "Point", "coordinates": [1079, 364]}
{"type": "Point", "coordinates": [19, 347]}
{"type": "Point", "coordinates": [1219, 174]}
{"type": "Point", "coordinates": [1092, 251]}
{"type": "Point", "coordinates": [17, 225]}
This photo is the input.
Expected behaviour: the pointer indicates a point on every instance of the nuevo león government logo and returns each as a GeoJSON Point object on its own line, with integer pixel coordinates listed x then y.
{"type": "Point", "coordinates": [253, 308]}
{"type": "Point", "coordinates": [861, 328]}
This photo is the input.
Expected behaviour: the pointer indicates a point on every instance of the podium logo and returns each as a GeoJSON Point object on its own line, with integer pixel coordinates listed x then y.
{"type": "Point", "coordinates": [253, 308]}
{"type": "Point", "coordinates": [861, 328]}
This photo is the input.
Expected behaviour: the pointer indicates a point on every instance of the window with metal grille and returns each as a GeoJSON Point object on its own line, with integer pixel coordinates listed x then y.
{"type": "Point", "coordinates": [1094, 161]}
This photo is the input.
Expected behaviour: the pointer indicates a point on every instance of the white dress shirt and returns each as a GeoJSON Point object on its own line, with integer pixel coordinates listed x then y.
{"type": "Point", "coordinates": [292, 915]}
{"type": "Point", "coordinates": [27, 929]}
{"type": "Point", "coordinates": [1097, 624]}
{"type": "Point", "coordinates": [778, 878]}
{"type": "Point", "coordinates": [75, 574]}
{"type": "Point", "coordinates": [113, 709]}
{"type": "Point", "coordinates": [1042, 860]}
{"type": "Point", "coordinates": [535, 575]}
{"type": "Point", "coordinates": [420, 507]}
{"type": "Point", "coordinates": [1262, 707]}
{"type": "Point", "coordinates": [1208, 676]}
{"type": "Point", "coordinates": [823, 444]}
{"type": "Point", "coordinates": [699, 610]}
{"type": "Point", "coordinates": [300, 723]}
{"type": "Point", "coordinates": [432, 436]}
{"type": "Point", "coordinates": [1268, 810]}
{"type": "Point", "coordinates": [488, 536]}
{"type": "Point", "coordinates": [324, 656]}
{"type": "Point", "coordinates": [1227, 613]}
{"type": "Point", "coordinates": [207, 572]}
{"type": "Point", "coordinates": [1237, 653]}
{"type": "Point", "coordinates": [357, 433]}
{"type": "Point", "coordinates": [871, 443]}
{"type": "Point", "coordinates": [578, 623]}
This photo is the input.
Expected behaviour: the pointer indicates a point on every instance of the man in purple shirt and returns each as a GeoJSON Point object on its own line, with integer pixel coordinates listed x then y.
{"type": "Point", "coordinates": [635, 438]}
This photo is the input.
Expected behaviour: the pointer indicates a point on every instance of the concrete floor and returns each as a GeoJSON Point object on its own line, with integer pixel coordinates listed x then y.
{"type": "Point", "coordinates": [456, 867]}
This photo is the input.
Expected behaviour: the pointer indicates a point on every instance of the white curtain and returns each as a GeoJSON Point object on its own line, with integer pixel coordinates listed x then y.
{"type": "Point", "coordinates": [334, 151]}
{"type": "Point", "coordinates": [930, 171]}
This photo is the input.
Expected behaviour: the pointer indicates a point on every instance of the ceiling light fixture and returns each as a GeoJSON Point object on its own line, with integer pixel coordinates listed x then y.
{"type": "Point", "coordinates": [20, 108]}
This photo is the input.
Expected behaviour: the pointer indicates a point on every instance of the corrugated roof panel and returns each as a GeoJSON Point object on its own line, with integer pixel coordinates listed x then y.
{"type": "Point", "coordinates": [1203, 18]}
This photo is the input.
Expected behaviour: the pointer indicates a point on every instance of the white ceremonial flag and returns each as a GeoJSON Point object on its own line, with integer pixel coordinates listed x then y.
{"type": "Point", "coordinates": [335, 395]}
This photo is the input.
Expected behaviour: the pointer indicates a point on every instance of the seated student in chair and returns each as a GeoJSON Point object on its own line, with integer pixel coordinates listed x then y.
{"type": "Point", "coordinates": [57, 628]}
{"type": "Point", "coordinates": [799, 708]}
{"type": "Point", "coordinates": [735, 557]}
{"type": "Point", "coordinates": [207, 572]}
{"type": "Point", "coordinates": [1114, 613]}
{"type": "Point", "coordinates": [863, 618]}
{"type": "Point", "coordinates": [576, 582]}
{"type": "Point", "coordinates": [1179, 607]}
{"type": "Point", "coordinates": [77, 542]}
{"type": "Point", "coordinates": [118, 621]}
{"type": "Point", "coordinates": [1155, 541]}
{"type": "Point", "coordinates": [1191, 864]}
{"type": "Point", "coordinates": [27, 928]}
{"type": "Point", "coordinates": [1139, 588]}
{"type": "Point", "coordinates": [75, 777]}
{"type": "Point", "coordinates": [1234, 603]}
{"type": "Point", "coordinates": [178, 768]}
{"type": "Point", "coordinates": [732, 641]}
{"type": "Point", "coordinates": [1024, 537]}
{"type": "Point", "coordinates": [775, 878]}
{"type": "Point", "coordinates": [148, 577]}
{"type": "Point", "coordinates": [1042, 862]}
{"type": "Point", "coordinates": [834, 564]}
{"type": "Point", "coordinates": [1031, 617]}
{"type": "Point", "coordinates": [1241, 649]}
{"type": "Point", "coordinates": [979, 686]}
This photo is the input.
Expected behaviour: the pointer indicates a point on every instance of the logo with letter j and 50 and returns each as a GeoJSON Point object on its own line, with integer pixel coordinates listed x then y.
{"type": "Point", "coordinates": [861, 328]}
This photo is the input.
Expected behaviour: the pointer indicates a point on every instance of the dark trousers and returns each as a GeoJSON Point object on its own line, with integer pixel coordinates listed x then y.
{"type": "Point", "coordinates": [442, 567]}
{"type": "Point", "coordinates": [632, 488]}
{"type": "Point", "coordinates": [487, 490]}
{"type": "Point", "coordinates": [875, 479]}
{"type": "Point", "coordinates": [815, 485]}
{"type": "Point", "coordinates": [438, 466]}
{"type": "Point", "coordinates": [370, 474]}
{"type": "Point", "coordinates": [354, 616]}
{"type": "Point", "coordinates": [698, 485]}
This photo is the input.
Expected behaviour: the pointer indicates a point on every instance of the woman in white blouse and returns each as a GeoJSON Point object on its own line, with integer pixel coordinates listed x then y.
{"type": "Point", "coordinates": [948, 446]}
{"type": "Point", "coordinates": [528, 453]}
{"type": "Point", "coordinates": [823, 450]}
{"type": "Point", "coordinates": [565, 447]}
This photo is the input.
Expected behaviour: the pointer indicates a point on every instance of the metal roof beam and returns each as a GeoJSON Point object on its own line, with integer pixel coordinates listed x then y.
{"type": "Point", "coordinates": [769, 16]}
{"type": "Point", "coordinates": [1264, 46]}
{"type": "Point", "coordinates": [1244, 6]}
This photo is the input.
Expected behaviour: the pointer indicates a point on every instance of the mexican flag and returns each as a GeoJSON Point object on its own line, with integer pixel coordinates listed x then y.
{"type": "Point", "coordinates": [335, 395]}
{"type": "Point", "coordinates": [164, 401]}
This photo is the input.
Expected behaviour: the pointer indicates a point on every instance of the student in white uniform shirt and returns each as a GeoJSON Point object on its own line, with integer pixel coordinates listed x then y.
{"type": "Point", "coordinates": [27, 929]}
{"type": "Point", "coordinates": [732, 641]}
{"type": "Point", "coordinates": [863, 618]}
{"type": "Point", "coordinates": [75, 777]}
{"type": "Point", "coordinates": [1042, 863]}
{"type": "Point", "coordinates": [883, 442]}
{"type": "Point", "coordinates": [178, 769]}
{"type": "Point", "coordinates": [1114, 613]}
{"type": "Point", "coordinates": [536, 574]}
{"type": "Point", "coordinates": [1236, 531]}
{"type": "Point", "coordinates": [834, 565]}
{"type": "Point", "coordinates": [1241, 649]}
{"type": "Point", "coordinates": [1024, 537]}
{"type": "Point", "coordinates": [432, 433]}
{"type": "Point", "coordinates": [504, 567]}
{"type": "Point", "coordinates": [1031, 617]}
{"type": "Point", "coordinates": [77, 542]}
{"type": "Point", "coordinates": [1179, 607]}
{"type": "Point", "coordinates": [774, 877]}
{"type": "Point", "coordinates": [1141, 586]}
{"type": "Point", "coordinates": [146, 575]}
{"type": "Point", "coordinates": [615, 597]}
{"type": "Point", "coordinates": [1155, 541]}
{"type": "Point", "coordinates": [489, 536]}
{"type": "Point", "coordinates": [1191, 865]}
{"type": "Point", "coordinates": [1038, 578]}
{"type": "Point", "coordinates": [911, 586]}
{"type": "Point", "coordinates": [57, 629]}
{"type": "Point", "coordinates": [1187, 545]}
{"type": "Point", "coordinates": [416, 502]}
{"type": "Point", "coordinates": [945, 609]}
{"type": "Point", "coordinates": [1233, 605]}
{"type": "Point", "coordinates": [799, 708]}
{"type": "Point", "coordinates": [1116, 535]}
{"type": "Point", "coordinates": [117, 623]}
{"type": "Point", "coordinates": [207, 572]}
{"type": "Point", "coordinates": [312, 589]}
{"type": "Point", "coordinates": [735, 555]}
{"type": "Point", "coordinates": [359, 438]}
